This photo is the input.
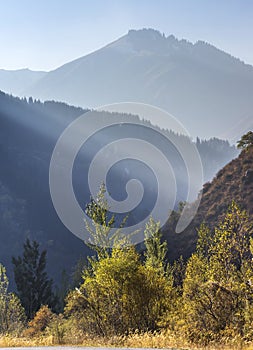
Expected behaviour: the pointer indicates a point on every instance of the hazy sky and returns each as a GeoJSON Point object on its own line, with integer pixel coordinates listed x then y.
{"type": "Point", "coordinates": [44, 34]}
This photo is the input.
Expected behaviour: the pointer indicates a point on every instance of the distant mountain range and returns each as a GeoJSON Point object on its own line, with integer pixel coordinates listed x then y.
{"type": "Point", "coordinates": [208, 90]}
{"type": "Point", "coordinates": [18, 81]}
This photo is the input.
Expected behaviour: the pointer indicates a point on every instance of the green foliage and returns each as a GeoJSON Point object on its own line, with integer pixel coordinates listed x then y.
{"type": "Point", "coordinates": [102, 236]}
{"type": "Point", "coordinates": [246, 141]}
{"type": "Point", "coordinates": [4, 282]}
{"type": "Point", "coordinates": [231, 250]}
{"type": "Point", "coordinates": [34, 287]}
{"type": "Point", "coordinates": [218, 294]}
{"type": "Point", "coordinates": [204, 241]}
{"type": "Point", "coordinates": [207, 299]}
{"type": "Point", "coordinates": [156, 250]}
{"type": "Point", "coordinates": [12, 314]}
{"type": "Point", "coordinates": [57, 329]}
{"type": "Point", "coordinates": [119, 293]}
{"type": "Point", "coordinates": [177, 271]}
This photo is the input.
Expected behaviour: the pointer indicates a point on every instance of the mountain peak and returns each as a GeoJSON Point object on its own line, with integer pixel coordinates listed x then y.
{"type": "Point", "coordinates": [146, 40]}
{"type": "Point", "coordinates": [145, 33]}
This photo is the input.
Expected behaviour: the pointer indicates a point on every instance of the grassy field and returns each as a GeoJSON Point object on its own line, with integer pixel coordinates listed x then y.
{"type": "Point", "coordinates": [145, 340]}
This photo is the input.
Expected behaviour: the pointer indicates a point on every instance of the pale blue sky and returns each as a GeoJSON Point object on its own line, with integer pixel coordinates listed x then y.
{"type": "Point", "coordinates": [44, 34]}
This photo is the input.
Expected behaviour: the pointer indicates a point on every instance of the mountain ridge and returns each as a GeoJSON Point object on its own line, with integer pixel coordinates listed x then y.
{"type": "Point", "coordinates": [17, 81]}
{"type": "Point", "coordinates": [204, 87]}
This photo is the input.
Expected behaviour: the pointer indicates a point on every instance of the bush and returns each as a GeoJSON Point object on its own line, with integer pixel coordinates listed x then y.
{"type": "Point", "coordinates": [40, 322]}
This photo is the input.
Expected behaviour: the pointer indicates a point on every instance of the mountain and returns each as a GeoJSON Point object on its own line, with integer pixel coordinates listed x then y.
{"type": "Point", "coordinates": [28, 134]}
{"type": "Point", "coordinates": [16, 82]}
{"type": "Point", "coordinates": [208, 90]}
{"type": "Point", "coordinates": [233, 182]}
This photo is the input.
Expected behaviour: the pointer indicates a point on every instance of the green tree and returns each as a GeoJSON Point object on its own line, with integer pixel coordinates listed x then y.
{"type": "Point", "coordinates": [12, 314]}
{"type": "Point", "coordinates": [246, 141]}
{"type": "Point", "coordinates": [217, 287]}
{"type": "Point", "coordinates": [103, 234]}
{"type": "Point", "coordinates": [118, 294]}
{"type": "Point", "coordinates": [231, 264]}
{"type": "Point", "coordinates": [231, 248]}
{"type": "Point", "coordinates": [34, 287]}
{"type": "Point", "coordinates": [156, 250]}
{"type": "Point", "coordinates": [177, 271]}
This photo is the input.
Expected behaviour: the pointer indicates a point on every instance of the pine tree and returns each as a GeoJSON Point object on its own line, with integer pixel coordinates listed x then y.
{"type": "Point", "coordinates": [34, 287]}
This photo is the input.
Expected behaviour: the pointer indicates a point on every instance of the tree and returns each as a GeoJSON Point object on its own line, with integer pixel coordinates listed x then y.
{"type": "Point", "coordinates": [155, 249]}
{"type": "Point", "coordinates": [34, 287]}
{"type": "Point", "coordinates": [231, 264]}
{"type": "Point", "coordinates": [12, 314]}
{"type": "Point", "coordinates": [218, 294]}
{"type": "Point", "coordinates": [119, 293]}
{"type": "Point", "coordinates": [40, 322]}
{"type": "Point", "coordinates": [102, 236]}
{"type": "Point", "coordinates": [246, 141]}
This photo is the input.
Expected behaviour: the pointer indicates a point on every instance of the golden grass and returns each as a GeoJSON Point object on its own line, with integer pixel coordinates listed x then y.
{"type": "Point", "coordinates": [8, 341]}
{"type": "Point", "coordinates": [136, 340]}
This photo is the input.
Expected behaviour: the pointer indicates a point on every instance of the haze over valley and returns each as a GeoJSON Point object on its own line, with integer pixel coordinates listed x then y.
{"type": "Point", "coordinates": [126, 174]}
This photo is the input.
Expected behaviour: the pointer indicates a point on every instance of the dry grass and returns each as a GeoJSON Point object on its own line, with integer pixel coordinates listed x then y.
{"type": "Point", "coordinates": [136, 340]}
{"type": "Point", "coordinates": [8, 341]}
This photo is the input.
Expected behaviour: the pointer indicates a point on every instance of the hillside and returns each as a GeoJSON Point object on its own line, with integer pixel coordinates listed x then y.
{"type": "Point", "coordinates": [233, 182]}
{"type": "Point", "coordinates": [28, 133]}
{"type": "Point", "coordinates": [204, 87]}
{"type": "Point", "coordinates": [27, 137]}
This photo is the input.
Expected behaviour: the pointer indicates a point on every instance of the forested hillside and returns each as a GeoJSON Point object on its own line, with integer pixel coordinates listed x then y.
{"type": "Point", "coordinates": [28, 133]}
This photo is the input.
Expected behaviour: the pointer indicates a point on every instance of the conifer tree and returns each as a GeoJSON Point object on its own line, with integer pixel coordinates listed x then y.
{"type": "Point", "coordinates": [34, 287]}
